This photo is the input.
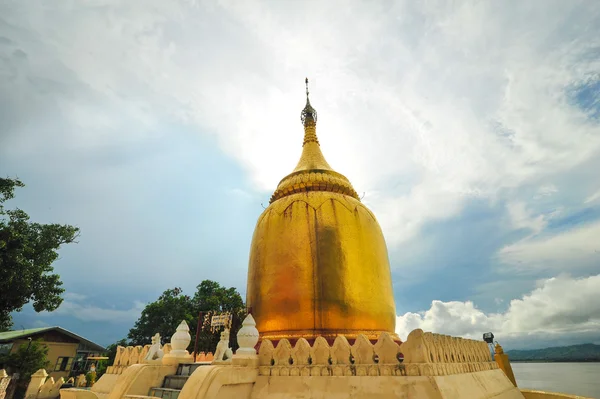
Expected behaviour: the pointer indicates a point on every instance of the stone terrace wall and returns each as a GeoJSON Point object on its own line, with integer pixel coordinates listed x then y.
{"type": "Point", "coordinates": [423, 354]}
{"type": "Point", "coordinates": [126, 356]}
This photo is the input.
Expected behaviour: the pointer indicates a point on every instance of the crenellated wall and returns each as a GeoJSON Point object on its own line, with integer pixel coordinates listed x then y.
{"type": "Point", "coordinates": [4, 381]}
{"type": "Point", "coordinates": [41, 386]}
{"type": "Point", "coordinates": [126, 356]}
{"type": "Point", "coordinates": [427, 365]}
{"type": "Point", "coordinates": [423, 354]}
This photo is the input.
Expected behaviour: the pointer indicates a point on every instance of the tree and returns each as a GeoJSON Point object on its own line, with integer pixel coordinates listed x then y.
{"type": "Point", "coordinates": [27, 251]}
{"type": "Point", "coordinates": [164, 315]}
{"type": "Point", "coordinates": [28, 359]}
{"type": "Point", "coordinates": [211, 296]}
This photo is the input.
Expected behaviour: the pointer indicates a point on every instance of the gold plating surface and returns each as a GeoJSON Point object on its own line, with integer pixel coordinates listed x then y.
{"type": "Point", "coordinates": [319, 266]}
{"type": "Point", "coordinates": [313, 173]}
{"type": "Point", "coordinates": [318, 260]}
{"type": "Point", "coordinates": [312, 157]}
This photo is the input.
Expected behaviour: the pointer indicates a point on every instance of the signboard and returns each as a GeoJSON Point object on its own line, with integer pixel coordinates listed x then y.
{"type": "Point", "coordinates": [221, 320]}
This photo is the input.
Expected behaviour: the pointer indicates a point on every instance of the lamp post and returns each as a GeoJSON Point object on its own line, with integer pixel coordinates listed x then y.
{"type": "Point", "coordinates": [489, 339]}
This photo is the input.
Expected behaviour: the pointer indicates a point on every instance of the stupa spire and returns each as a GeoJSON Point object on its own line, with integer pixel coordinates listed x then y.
{"type": "Point", "coordinates": [312, 157]}
{"type": "Point", "coordinates": [309, 115]}
{"type": "Point", "coordinates": [312, 173]}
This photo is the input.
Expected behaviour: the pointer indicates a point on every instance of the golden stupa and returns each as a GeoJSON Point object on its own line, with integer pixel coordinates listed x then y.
{"type": "Point", "coordinates": [318, 260]}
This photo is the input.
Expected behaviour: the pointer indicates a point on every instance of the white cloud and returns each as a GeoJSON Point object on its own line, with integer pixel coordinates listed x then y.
{"type": "Point", "coordinates": [74, 297]}
{"type": "Point", "coordinates": [592, 198]}
{"type": "Point", "coordinates": [577, 247]}
{"type": "Point", "coordinates": [421, 104]}
{"type": "Point", "coordinates": [521, 218]}
{"type": "Point", "coordinates": [79, 307]}
{"type": "Point", "coordinates": [558, 307]}
{"type": "Point", "coordinates": [546, 191]}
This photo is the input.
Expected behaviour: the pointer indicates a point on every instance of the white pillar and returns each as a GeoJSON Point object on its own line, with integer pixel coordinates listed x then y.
{"type": "Point", "coordinates": [179, 343]}
{"type": "Point", "coordinates": [247, 339]}
{"type": "Point", "coordinates": [37, 380]}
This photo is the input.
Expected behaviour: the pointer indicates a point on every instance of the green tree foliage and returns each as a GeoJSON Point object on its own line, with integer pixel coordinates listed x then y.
{"type": "Point", "coordinates": [211, 296]}
{"type": "Point", "coordinates": [27, 251]}
{"type": "Point", "coordinates": [29, 358]}
{"type": "Point", "coordinates": [164, 315]}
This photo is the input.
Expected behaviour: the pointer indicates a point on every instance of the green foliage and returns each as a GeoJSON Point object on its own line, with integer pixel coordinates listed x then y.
{"type": "Point", "coordinates": [5, 321]}
{"type": "Point", "coordinates": [573, 353]}
{"type": "Point", "coordinates": [27, 251]}
{"type": "Point", "coordinates": [90, 378]}
{"type": "Point", "coordinates": [29, 358]}
{"type": "Point", "coordinates": [101, 367]}
{"type": "Point", "coordinates": [211, 296]}
{"type": "Point", "coordinates": [164, 315]}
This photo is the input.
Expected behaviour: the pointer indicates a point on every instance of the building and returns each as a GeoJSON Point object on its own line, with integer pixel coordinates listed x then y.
{"type": "Point", "coordinates": [67, 352]}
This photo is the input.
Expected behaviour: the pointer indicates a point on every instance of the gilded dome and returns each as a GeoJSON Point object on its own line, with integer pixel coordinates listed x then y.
{"type": "Point", "coordinates": [318, 259]}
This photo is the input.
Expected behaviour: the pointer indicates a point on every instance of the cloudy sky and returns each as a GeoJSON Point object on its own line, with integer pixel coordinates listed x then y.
{"type": "Point", "coordinates": [160, 127]}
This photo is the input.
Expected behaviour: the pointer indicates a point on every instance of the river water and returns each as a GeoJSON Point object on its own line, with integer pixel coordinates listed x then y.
{"type": "Point", "coordinates": [574, 378]}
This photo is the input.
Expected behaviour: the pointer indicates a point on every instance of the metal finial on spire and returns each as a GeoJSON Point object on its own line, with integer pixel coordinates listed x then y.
{"type": "Point", "coordinates": [308, 113]}
{"type": "Point", "coordinates": [306, 81]}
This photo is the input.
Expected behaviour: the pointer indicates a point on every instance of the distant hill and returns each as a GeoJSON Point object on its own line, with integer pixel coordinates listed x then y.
{"type": "Point", "coordinates": [573, 353]}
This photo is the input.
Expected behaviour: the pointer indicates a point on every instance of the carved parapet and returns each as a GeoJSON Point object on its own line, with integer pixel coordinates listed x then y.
{"type": "Point", "coordinates": [341, 359]}
{"type": "Point", "coordinates": [50, 389]}
{"type": "Point", "coordinates": [118, 356]}
{"type": "Point", "coordinates": [282, 358]}
{"type": "Point", "coordinates": [127, 356]}
{"type": "Point", "coordinates": [134, 354]}
{"type": "Point", "coordinates": [423, 354]}
{"type": "Point", "coordinates": [265, 357]}
{"type": "Point", "coordinates": [427, 353]}
{"type": "Point", "coordinates": [144, 352]}
{"type": "Point", "coordinates": [4, 381]}
{"type": "Point", "coordinates": [301, 353]}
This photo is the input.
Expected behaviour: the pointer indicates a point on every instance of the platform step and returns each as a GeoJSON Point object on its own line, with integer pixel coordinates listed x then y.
{"type": "Point", "coordinates": [174, 381]}
{"type": "Point", "coordinates": [188, 369]}
{"type": "Point", "coordinates": [164, 393]}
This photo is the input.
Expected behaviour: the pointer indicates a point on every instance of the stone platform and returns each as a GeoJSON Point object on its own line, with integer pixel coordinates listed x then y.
{"type": "Point", "coordinates": [427, 365]}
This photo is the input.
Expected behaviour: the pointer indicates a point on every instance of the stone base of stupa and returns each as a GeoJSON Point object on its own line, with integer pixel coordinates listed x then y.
{"type": "Point", "coordinates": [481, 384]}
{"type": "Point", "coordinates": [427, 366]}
